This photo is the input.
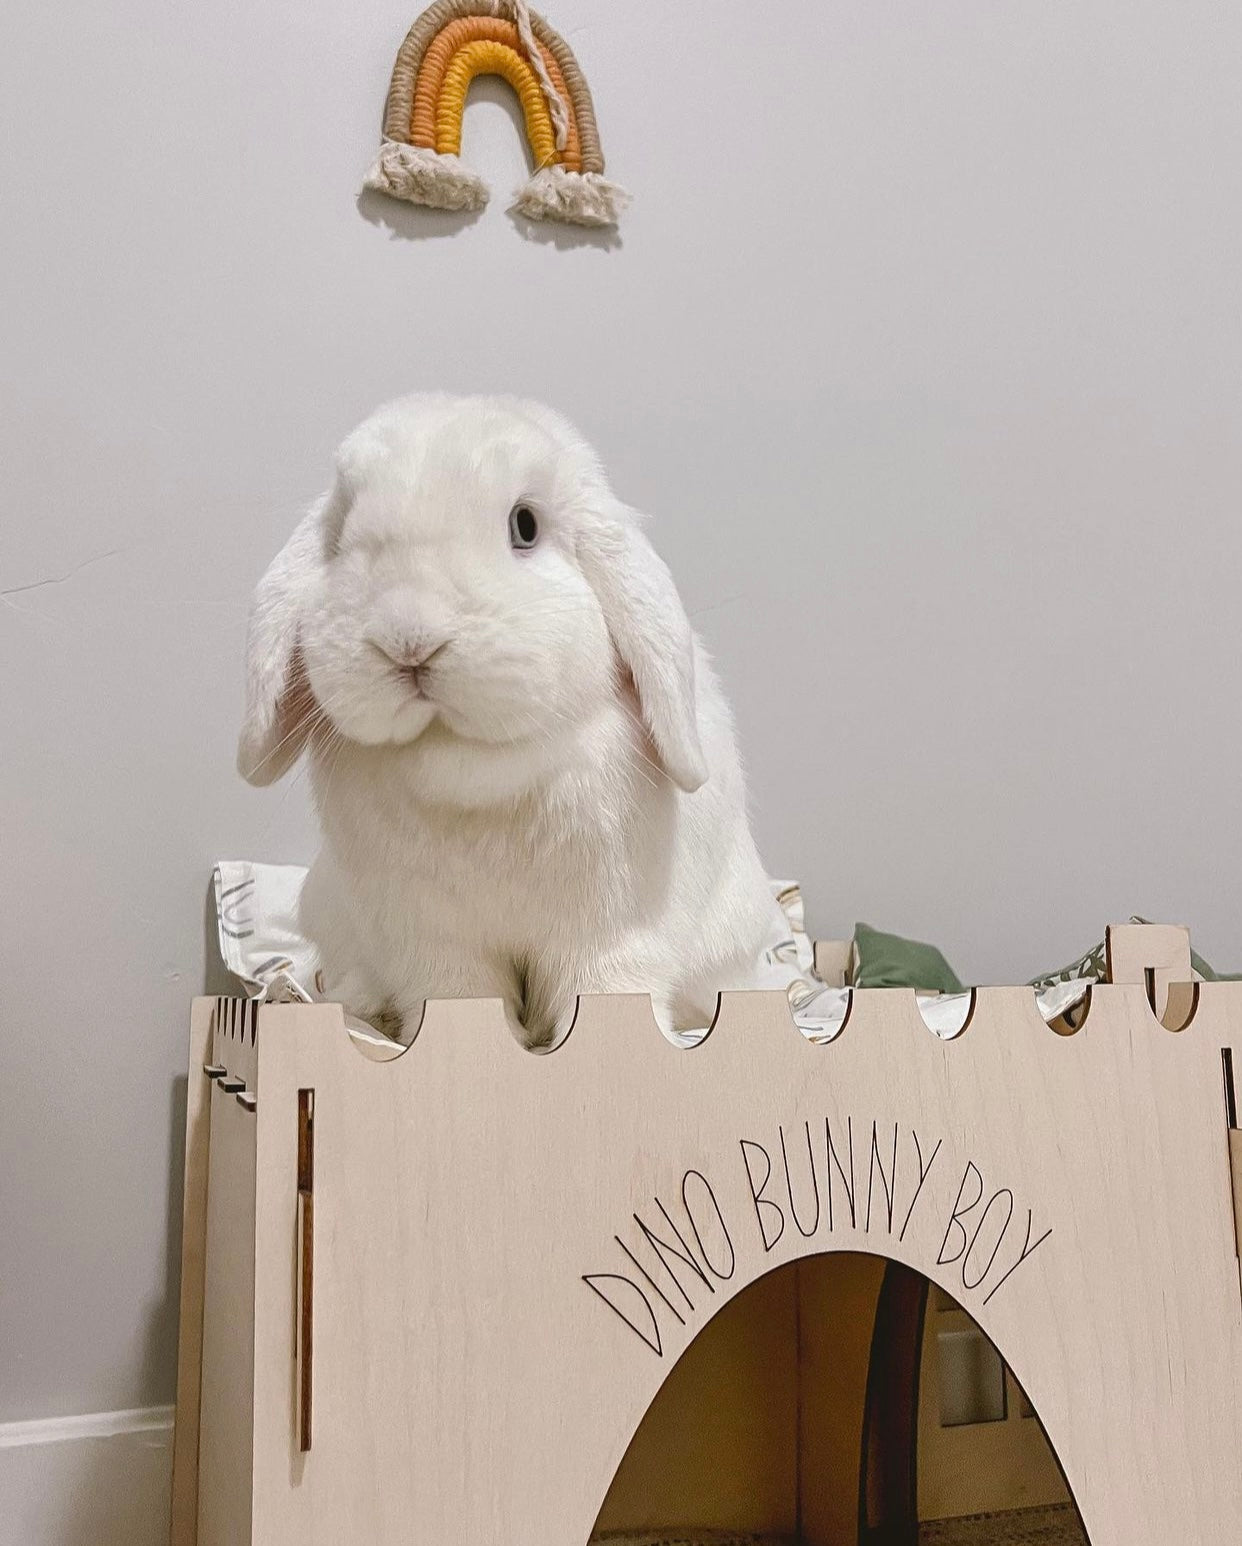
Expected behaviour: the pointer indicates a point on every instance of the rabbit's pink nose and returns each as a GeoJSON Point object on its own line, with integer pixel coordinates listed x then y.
{"type": "Point", "coordinates": [421, 653]}
{"type": "Point", "coordinates": [414, 653]}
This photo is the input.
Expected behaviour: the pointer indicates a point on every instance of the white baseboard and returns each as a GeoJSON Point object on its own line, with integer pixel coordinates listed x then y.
{"type": "Point", "coordinates": [99, 1480]}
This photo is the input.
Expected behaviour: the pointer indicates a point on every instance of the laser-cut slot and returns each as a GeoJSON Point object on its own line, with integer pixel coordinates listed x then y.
{"type": "Point", "coordinates": [947, 1015]}
{"type": "Point", "coordinates": [828, 1025]}
{"type": "Point", "coordinates": [1235, 1145]}
{"type": "Point", "coordinates": [1073, 1017]}
{"type": "Point", "coordinates": [304, 1336]}
{"type": "Point", "coordinates": [1180, 1000]}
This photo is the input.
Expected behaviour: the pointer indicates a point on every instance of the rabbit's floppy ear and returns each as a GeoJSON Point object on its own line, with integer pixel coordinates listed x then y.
{"type": "Point", "coordinates": [652, 635]}
{"type": "Point", "coordinates": [279, 707]}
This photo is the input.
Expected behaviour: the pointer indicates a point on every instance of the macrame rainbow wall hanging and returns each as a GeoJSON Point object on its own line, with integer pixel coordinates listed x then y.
{"type": "Point", "coordinates": [452, 42]}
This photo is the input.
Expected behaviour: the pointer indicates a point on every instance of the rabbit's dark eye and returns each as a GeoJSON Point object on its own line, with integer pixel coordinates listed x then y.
{"type": "Point", "coordinates": [523, 527]}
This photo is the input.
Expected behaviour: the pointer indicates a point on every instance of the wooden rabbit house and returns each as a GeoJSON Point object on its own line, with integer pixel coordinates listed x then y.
{"type": "Point", "coordinates": [473, 1296]}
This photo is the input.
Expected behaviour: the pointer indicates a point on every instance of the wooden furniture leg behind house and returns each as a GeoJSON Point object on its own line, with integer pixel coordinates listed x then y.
{"type": "Point", "coordinates": [888, 1479]}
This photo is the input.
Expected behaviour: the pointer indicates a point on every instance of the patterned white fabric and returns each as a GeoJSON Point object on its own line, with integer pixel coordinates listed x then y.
{"type": "Point", "coordinates": [261, 943]}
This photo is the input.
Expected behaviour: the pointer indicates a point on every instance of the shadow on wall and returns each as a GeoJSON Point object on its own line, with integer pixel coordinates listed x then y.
{"type": "Point", "coordinates": [159, 1356]}
{"type": "Point", "coordinates": [160, 1351]}
{"type": "Point", "coordinates": [98, 1501]}
{"type": "Point", "coordinates": [216, 976]}
{"type": "Point", "coordinates": [414, 222]}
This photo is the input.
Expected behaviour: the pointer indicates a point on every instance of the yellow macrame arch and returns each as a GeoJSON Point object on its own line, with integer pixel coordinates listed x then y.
{"type": "Point", "coordinates": [489, 58]}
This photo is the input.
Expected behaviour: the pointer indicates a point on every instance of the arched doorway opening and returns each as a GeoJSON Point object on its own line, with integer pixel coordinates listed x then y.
{"type": "Point", "coordinates": [841, 1400]}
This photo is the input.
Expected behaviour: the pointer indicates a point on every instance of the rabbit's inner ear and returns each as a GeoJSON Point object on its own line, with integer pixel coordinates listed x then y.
{"type": "Point", "coordinates": [339, 503]}
{"type": "Point", "coordinates": [297, 709]}
{"type": "Point", "coordinates": [627, 691]}
{"type": "Point", "coordinates": [653, 638]}
{"type": "Point", "coordinates": [267, 752]}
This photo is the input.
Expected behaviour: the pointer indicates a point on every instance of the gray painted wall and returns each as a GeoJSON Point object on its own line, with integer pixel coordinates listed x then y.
{"type": "Point", "coordinates": [921, 343]}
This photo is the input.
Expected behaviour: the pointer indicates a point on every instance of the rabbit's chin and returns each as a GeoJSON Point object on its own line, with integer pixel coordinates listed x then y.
{"type": "Point", "coordinates": [444, 768]}
{"type": "Point", "coordinates": [386, 724]}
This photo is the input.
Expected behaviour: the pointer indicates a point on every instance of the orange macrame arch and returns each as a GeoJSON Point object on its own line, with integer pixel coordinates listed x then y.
{"type": "Point", "coordinates": [410, 113]}
{"type": "Point", "coordinates": [444, 76]}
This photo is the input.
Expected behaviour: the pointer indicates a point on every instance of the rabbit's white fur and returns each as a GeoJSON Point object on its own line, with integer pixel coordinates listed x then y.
{"type": "Point", "coordinates": [553, 803]}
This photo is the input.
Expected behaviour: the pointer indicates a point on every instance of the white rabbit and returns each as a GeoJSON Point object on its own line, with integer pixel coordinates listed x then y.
{"type": "Point", "coordinates": [524, 768]}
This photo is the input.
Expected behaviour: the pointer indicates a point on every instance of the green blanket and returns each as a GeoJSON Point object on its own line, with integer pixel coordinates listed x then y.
{"type": "Point", "coordinates": [889, 961]}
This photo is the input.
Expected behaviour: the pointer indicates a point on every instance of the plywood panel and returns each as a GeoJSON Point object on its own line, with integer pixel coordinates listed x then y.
{"type": "Point", "coordinates": [184, 1510]}
{"type": "Point", "coordinates": [492, 1324]}
{"type": "Point", "coordinates": [227, 1478]}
